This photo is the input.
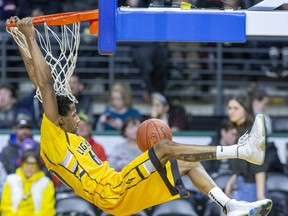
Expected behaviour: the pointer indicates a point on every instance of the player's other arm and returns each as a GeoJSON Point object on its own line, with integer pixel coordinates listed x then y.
{"type": "Point", "coordinates": [41, 71]}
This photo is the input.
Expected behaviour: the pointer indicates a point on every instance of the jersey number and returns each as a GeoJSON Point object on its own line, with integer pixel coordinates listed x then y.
{"type": "Point", "coordinates": [95, 158]}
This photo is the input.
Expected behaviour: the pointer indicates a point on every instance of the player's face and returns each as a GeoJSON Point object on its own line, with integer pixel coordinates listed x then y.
{"type": "Point", "coordinates": [71, 121]}
{"type": "Point", "coordinates": [236, 112]}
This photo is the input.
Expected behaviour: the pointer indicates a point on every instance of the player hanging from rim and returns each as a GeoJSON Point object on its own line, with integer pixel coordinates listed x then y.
{"type": "Point", "coordinates": [144, 182]}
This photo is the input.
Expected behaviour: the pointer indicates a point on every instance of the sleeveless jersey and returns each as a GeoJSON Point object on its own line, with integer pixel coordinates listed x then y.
{"type": "Point", "coordinates": [142, 183]}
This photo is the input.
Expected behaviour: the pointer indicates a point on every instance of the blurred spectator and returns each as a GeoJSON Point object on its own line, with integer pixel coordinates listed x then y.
{"type": "Point", "coordinates": [234, 4]}
{"type": "Point", "coordinates": [7, 106]}
{"type": "Point", "coordinates": [150, 57]}
{"type": "Point", "coordinates": [33, 8]}
{"type": "Point", "coordinates": [72, 5]}
{"type": "Point", "coordinates": [152, 60]}
{"type": "Point", "coordinates": [7, 9]}
{"type": "Point", "coordinates": [84, 101]}
{"type": "Point", "coordinates": [225, 136]}
{"type": "Point", "coordinates": [134, 3]}
{"type": "Point", "coordinates": [119, 109]}
{"type": "Point", "coordinates": [248, 180]}
{"type": "Point", "coordinates": [3, 176]}
{"type": "Point", "coordinates": [174, 116]}
{"type": "Point", "coordinates": [32, 107]}
{"type": "Point", "coordinates": [184, 55]}
{"type": "Point", "coordinates": [277, 53]}
{"type": "Point", "coordinates": [259, 100]}
{"type": "Point", "coordinates": [227, 4]}
{"type": "Point", "coordinates": [85, 130]}
{"type": "Point", "coordinates": [28, 191]}
{"type": "Point", "coordinates": [22, 130]}
{"type": "Point", "coordinates": [128, 150]}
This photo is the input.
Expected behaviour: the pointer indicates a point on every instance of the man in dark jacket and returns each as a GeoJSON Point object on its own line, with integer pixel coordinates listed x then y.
{"type": "Point", "coordinates": [10, 153]}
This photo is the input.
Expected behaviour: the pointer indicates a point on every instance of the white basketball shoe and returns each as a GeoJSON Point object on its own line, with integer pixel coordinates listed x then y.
{"type": "Point", "coordinates": [240, 208]}
{"type": "Point", "coordinates": [251, 146]}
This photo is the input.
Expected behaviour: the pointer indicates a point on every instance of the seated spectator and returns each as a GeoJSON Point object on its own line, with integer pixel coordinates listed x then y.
{"type": "Point", "coordinates": [7, 106]}
{"type": "Point", "coordinates": [119, 109]}
{"type": "Point", "coordinates": [225, 136]}
{"type": "Point", "coordinates": [7, 9]}
{"type": "Point", "coordinates": [33, 8]}
{"type": "Point", "coordinates": [248, 182]}
{"type": "Point", "coordinates": [3, 175]}
{"type": "Point", "coordinates": [28, 191]}
{"type": "Point", "coordinates": [84, 101]}
{"type": "Point", "coordinates": [175, 116]}
{"type": "Point", "coordinates": [125, 152]}
{"type": "Point", "coordinates": [10, 153]}
{"type": "Point", "coordinates": [85, 130]}
{"type": "Point", "coordinates": [259, 101]}
{"type": "Point", "coordinates": [32, 107]}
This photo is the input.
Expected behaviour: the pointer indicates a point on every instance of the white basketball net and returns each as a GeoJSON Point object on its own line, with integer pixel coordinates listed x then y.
{"type": "Point", "coordinates": [63, 61]}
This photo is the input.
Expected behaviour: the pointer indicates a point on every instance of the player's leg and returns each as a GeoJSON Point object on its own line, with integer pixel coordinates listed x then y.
{"type": "Point", "coordinates": [206, 184]}
{"type": "Point", "coordinates": [250, 147]}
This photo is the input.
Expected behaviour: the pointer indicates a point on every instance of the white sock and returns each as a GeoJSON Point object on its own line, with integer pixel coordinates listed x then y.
{"type": "Point", "coordinates": [224, 152]}
{"type": "Point", "coordinates": [218, 196]}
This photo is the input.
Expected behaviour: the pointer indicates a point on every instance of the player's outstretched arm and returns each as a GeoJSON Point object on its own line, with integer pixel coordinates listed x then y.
{"type": "Point", "coordinates": [26, 58]}
{"type": "Point", "coordinates": [41, 70]}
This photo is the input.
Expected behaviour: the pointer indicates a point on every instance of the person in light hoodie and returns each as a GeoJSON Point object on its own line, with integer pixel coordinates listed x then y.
{"type": "Point", "coordinates": [28, 191]}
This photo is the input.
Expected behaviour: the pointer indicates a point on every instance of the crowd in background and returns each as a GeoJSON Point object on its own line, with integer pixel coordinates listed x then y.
{"type": "Point", "coordinates": [27, 188]}
{"type": "Point", "coordinates": [243, 180]}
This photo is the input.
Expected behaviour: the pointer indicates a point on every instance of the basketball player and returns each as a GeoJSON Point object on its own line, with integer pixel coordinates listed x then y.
{"type": "Point", "coordinates": [150, 179]}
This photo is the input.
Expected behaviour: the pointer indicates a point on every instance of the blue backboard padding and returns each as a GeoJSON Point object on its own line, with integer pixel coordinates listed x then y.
{"type": "Point", "coordinates": [180, 26]}
{"type": "Point", "coordinates": [107, 29]}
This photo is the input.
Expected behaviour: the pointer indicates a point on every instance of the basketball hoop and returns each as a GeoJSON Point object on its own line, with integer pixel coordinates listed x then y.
{"type": "Point", "coordinates": [63, 63]}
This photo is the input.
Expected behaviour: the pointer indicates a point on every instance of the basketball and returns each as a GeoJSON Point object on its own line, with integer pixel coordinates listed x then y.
{"type": "Point", "coordinates": [150, 132]}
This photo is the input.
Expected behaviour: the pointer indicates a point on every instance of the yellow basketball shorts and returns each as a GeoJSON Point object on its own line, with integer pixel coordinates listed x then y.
{"type": "Point", "coordinates": [141, 184]}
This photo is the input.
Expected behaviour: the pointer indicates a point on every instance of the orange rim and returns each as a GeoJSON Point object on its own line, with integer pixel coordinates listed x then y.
{"type": "Point", "coordinates": [65, 18]}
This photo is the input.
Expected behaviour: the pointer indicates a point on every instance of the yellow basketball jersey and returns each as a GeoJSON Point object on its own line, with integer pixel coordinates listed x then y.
{"type": "Point", "coordinates": [136, 187]}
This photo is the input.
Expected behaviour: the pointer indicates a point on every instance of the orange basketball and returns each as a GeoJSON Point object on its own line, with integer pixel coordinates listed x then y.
{"type": "Point", "coordinates": [150, 132]}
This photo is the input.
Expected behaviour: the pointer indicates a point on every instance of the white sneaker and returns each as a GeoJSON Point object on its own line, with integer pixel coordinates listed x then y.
{"type": "Point", "coordinates": [241, 208]}
{"type": "Point", "coordinates": [251, 146]}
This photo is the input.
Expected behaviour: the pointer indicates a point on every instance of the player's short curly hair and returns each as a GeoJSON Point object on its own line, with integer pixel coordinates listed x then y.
{"type": "Point", "coordinates": [63, 103]}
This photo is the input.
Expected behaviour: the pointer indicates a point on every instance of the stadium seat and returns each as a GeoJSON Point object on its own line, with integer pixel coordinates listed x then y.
{"type": "Point", "coordinates": [212, 209]}
{"type": "Point", "coordinates": [75, 206]}
{"type": "Point", "coordinates": [179, 207]}
{"type": "Point", "coordinates": [69, 204]}
{"type": "Point", "coordinates": [277, 186]}
{"type": "Point", "coordinates": [189, 185]}
{"type": "Point", "coordinates": [221, 179]}
{"type": "Point", "coordinates": [141, 213]}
